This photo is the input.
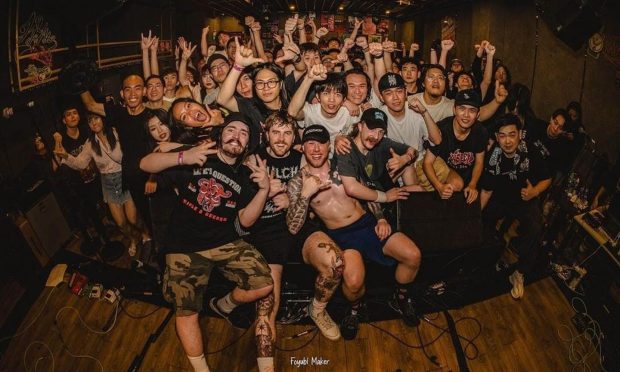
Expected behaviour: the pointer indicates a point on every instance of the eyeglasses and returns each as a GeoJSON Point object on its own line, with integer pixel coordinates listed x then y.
{"type": "Point", "coordinates": [260, 85]}
{"type": "Point", "coordinates": [436, 77]}
{"type": "Point", "coordinates": [219, 67]}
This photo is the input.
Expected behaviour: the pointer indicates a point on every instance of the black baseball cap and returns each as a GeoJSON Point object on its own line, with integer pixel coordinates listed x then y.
{"type": "Point", "coordinates": [391, 80]}
{"type": "Point", "coordinates": [375, 118]}
{"type": "Point", "coordinates": [469, 97]}
{"type": "Point", "coordinates": [316, 133]}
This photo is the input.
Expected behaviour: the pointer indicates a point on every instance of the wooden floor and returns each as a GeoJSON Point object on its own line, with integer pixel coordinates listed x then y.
{"type": "Point", "coordinates": [516, 336]}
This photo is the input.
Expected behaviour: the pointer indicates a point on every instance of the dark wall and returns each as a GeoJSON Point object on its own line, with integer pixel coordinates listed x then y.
{"type": "Point", "coordinates": [558, 70]}
{"type": "Point", "coordinates": [117, 23]}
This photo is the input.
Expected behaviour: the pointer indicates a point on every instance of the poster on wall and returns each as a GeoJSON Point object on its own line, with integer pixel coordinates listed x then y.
{"type": "Point", "coordinates": [41, 43]}
{"type": "Point", "coordinates": [36, 51]}
{"type": "Point", "coordinates": [368, 26]}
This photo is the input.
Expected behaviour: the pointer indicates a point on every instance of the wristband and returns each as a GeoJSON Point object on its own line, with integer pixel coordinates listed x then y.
{"type": "Point", "coordinates": [237, 67]}
{"type": "Point", "coordinates": [381, 197]}
{"type": "Point", "coordinates": [180, 158]}
{"type": "Point", "coordinates": [366, 49]}
{"type": "Point", "coordinates": [297, 58]}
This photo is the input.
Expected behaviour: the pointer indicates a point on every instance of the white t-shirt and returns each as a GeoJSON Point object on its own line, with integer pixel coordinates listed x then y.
{"type": "Point", "coordinates": [341, 122]}
{"type": "Point", "coordinates": [374, 100]}
{"type": "Point", "coordinates": [410, 129]}
{"type": "Point", "coordinates": [440, 111]}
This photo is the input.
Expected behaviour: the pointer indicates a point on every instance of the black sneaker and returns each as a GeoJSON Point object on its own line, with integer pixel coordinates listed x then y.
{"type": "Point", "coordinates": [236, 318]}
{"type": "Point", "coordinates": [349, 326]}
{"type": "Point", "coordinates": [406, 310]}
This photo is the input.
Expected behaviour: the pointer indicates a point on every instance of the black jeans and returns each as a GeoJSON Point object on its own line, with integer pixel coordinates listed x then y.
{"type": "Point", "coordinates": [530, 228]}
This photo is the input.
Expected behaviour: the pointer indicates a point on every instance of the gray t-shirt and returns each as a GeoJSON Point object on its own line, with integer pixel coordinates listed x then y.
{"type": "Point", "coordinates": [370, 169]}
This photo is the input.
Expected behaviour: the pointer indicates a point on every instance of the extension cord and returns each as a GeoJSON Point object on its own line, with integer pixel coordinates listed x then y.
{"type": "Point", "coordinates": [581, 322]}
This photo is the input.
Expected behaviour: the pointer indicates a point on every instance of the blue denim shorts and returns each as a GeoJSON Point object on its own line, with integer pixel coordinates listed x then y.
{"type": "Point", "coordinates": [112, 188]}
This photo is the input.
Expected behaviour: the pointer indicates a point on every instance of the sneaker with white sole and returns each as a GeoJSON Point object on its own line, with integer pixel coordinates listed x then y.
{"type": "Point", "coordinates": [235, 318]}
{"type": "Point", "coordinates": [516, 279]}
{"type": "Point", "coordinates": [325, 323]}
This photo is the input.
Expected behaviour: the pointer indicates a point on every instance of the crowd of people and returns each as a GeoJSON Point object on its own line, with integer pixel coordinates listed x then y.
{"type": "Point", "coordinates": [233, 157]}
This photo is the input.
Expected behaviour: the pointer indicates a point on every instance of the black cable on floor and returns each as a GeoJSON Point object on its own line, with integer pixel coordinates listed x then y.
{"type": "Point", "coordinates": [132, 316]}
{"type": "Point", "coordinates": [314, 333]}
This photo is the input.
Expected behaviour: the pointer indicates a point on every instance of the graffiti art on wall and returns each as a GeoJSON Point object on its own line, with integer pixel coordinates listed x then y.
{"type": "Point", "coordinates": [36, 42]}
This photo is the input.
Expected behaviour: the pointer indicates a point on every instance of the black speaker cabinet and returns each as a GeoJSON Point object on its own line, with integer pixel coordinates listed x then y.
{"type": "Point", "coordinates": [438, 225]}
{"type": "Point", "coordinates": [572, 21]}
{"type": "Point", "coordinates": [45, 228]}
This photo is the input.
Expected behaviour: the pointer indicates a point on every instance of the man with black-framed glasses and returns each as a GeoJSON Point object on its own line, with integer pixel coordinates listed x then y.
{"type": "Point", "coordinates": [218, 66]}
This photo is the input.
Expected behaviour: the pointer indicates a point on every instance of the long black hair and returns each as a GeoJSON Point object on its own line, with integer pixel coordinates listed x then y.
{"type": "Point", "coordinates": [160, 114]}
{"type": "Point", "coordinates": [107, 131]}
{"type": "Point", "coordinates": [181, 133]}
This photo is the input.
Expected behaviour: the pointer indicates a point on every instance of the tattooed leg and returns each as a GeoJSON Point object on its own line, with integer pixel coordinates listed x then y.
{"type": "Point", "coordinates": [324, 255]}
{"type": "Point", "coordinates": [263, 332]}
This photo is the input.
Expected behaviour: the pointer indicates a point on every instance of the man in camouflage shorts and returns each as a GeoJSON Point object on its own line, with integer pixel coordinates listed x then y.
{"type": "Point", "coordinates": [218, 197]}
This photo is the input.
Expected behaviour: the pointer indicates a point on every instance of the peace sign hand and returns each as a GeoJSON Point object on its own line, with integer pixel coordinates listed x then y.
{"type": "Point", "coordinates": [259, 174]}
{"type": "Point", "coordinates": [275, 185]}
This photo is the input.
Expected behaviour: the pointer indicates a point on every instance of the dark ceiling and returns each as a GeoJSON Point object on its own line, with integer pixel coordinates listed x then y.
{"type": "Point", "coordinates": [395, 9]}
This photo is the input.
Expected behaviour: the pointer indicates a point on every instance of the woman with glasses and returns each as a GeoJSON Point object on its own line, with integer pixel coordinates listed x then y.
{"type": "Point", "coordinates": [268, 90]}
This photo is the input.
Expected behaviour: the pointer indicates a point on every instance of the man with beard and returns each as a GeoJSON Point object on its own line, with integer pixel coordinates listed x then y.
{"type": "Point", "coordinates": [329, 112]}
{"type": "Point", "coordinates": [129, 123]}
{"type": "Point", "coordinates": [368, 171]}
{"type": "Point", "coordinates": [458, 159]}
{"type": "Point", "coordinates": [271, 237]}
{"type": "Point", "coordinates": [515, 175]}
{"type": "Point", "coordinates": [216, 201]}
{"type": "Point", "coordinates": [359, 233]}
{"type": "Point", "coordinates": [155, 94]}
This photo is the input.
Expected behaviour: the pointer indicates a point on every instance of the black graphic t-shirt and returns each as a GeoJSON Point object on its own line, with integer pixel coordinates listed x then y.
{"type": "Point", "coordinates": [284, 169]}
{"type": "Point", "coordinates": [74, 146]}
{"type": "Point", "coordinates": [460, 155]}
{"type": "Point", "coordinates": [209, 201]}
{"type": "Point", "coordinates": [507, 176]}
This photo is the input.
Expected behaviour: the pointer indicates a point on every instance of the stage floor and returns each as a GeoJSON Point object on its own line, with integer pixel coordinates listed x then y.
{"type": "Point", "coordinates": [516, 336]}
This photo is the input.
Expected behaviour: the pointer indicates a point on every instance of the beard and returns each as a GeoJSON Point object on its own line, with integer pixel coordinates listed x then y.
{"type": "Point", "coordinates": [278, 151]}
{"type": "Point", "coordinates": [233, 148]}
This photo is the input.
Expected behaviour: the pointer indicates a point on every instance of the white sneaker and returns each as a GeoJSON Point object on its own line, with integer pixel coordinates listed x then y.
{"type": "Point", "coordinates": [328, 328]}
{"type": "Point", "coordinates": [516, 279]}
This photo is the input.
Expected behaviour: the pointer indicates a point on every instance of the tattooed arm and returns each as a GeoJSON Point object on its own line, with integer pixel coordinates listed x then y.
{"type": "Point", "coordinates": [375, 209]}
{"type": "Point", "coordinates": [298, 205]}
{"type": "Point", "coordinates": [301, 189]}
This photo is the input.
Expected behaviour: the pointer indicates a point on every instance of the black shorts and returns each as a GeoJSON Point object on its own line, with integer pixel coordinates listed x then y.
{"type": "Point", "coordinates": [278, 246]}
{"type": "Point", "coordinates": [274, 245]}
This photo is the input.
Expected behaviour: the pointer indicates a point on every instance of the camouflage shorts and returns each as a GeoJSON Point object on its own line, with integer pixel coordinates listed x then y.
{"type": "Point", "coordinates": [441, 170]}
{"type": "Point", "coordinates": [187, 274]}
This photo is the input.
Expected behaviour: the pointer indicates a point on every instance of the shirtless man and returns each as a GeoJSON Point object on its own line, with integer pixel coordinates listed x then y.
{"type": "Point", "coordinates": [359, 233]}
